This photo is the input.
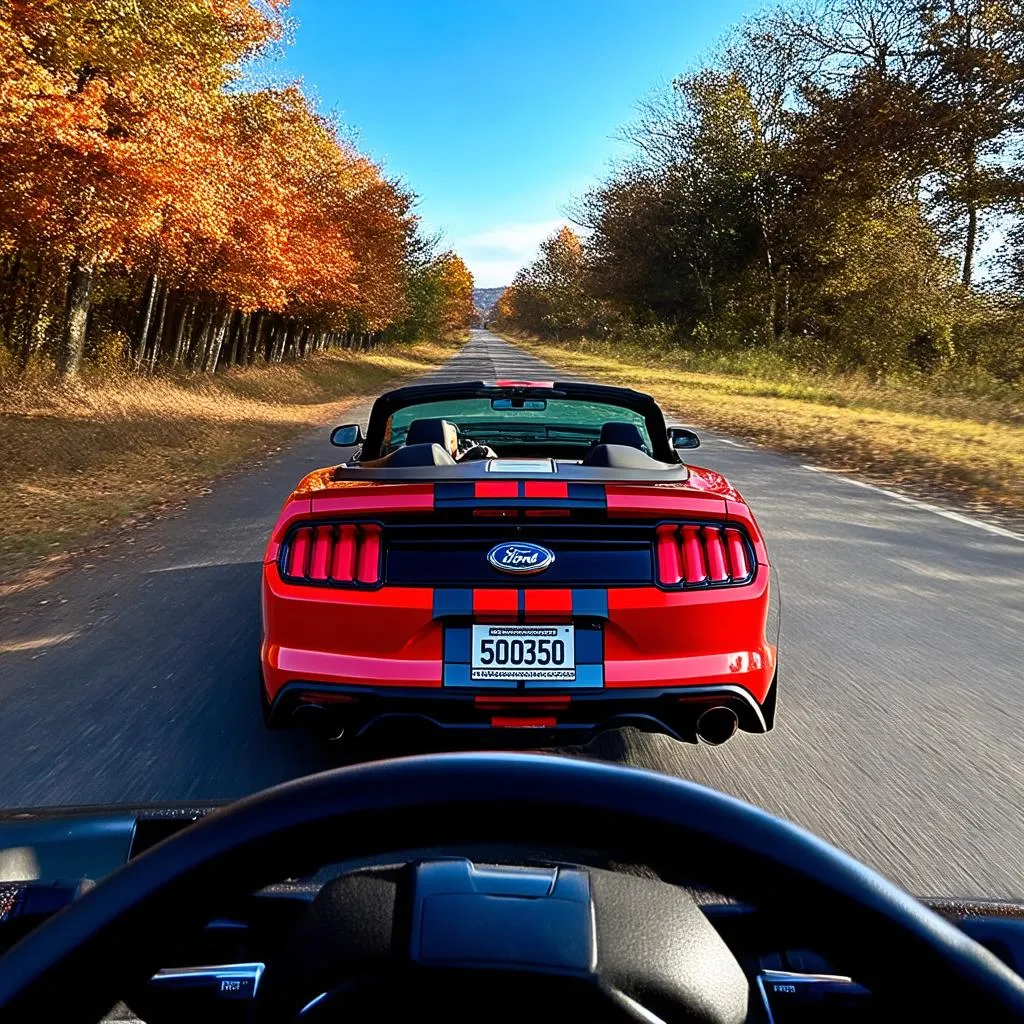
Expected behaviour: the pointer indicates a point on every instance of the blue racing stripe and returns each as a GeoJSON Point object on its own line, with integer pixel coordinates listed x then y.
{"type": "Point", "coordinates": [587, 494]}
{"type": "Point", "coordinates": [457, 642]}
{"type": "Point", "coordinates": [452, 602]}
{"type": "Point", "coordinates": [462, 490]}
{"type": "Point", "coordinates": [456, 675]}
{"type": "Point", "coordinates": [590, 603]}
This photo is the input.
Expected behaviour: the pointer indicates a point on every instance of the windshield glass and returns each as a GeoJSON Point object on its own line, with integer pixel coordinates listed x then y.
{"type": "Point", "coordinates": [488, 421]}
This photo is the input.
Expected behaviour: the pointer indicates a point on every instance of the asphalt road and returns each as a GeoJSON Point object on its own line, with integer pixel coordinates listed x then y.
{"type": "Point", "coordinates": [132, 678]}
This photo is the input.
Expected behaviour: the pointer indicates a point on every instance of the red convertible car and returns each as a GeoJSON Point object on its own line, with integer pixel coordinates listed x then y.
{"type": "Point", "coordinates": [518, 555]}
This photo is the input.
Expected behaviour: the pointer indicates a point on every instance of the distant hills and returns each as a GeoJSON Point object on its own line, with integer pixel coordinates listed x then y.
{"type": "Point", "coordinates": [485, 298]}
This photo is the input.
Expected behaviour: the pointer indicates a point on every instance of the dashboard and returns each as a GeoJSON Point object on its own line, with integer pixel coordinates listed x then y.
{"type": "Point", "coordinates": [49, 858]}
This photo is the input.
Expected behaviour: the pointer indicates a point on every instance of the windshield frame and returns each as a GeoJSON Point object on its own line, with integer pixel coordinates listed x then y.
{"type": "Point", "coordinates": [561, 421]}
{"type": "Point", "coordinates": [635, 402]}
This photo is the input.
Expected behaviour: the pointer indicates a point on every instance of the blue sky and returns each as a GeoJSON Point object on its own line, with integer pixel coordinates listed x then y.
{"type": "Point", "coordinates": [495, 114]}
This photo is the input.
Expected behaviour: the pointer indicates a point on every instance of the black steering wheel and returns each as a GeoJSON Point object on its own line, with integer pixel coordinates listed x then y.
{"type": "Point", "coordinates": [80, 961]}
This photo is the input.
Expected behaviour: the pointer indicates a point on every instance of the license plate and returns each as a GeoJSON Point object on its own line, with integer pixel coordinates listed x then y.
{"type": "Point", "coordinates": [524, 652]}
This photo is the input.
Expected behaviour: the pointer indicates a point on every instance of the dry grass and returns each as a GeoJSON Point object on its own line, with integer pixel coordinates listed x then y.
{"type": "Point", "coordinates": [962, 445]}
{"type": "Point", "coordinates": [79, 462]}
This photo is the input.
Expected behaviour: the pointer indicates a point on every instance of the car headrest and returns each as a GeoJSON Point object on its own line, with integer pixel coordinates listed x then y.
{"type": "Point", "coordinates": [410, 455]}
{"type": "Point", "coordinates": [618, 432]}
{"type": "Point", "coordinates": [434, 431]}
{"type": "Point", "coordinates": [621, 456]}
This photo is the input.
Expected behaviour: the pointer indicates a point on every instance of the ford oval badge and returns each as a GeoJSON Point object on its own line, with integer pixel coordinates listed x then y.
{"type": "Point", "coordinates": [520, 557]}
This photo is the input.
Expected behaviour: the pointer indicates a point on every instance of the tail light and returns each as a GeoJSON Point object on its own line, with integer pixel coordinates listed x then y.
{"type": "Point", "coordinates": [344, 554]}
{"type": "Point", "coordinates": [695, 555]}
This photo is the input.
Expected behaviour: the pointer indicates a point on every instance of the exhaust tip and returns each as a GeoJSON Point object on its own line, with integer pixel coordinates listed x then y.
{"type": "Point", "coordinates": [716, 725]}
{"type": "Point", "coordinates": [311, 716]}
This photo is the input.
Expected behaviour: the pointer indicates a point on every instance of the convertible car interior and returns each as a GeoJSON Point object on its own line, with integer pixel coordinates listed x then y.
{"type": "Point", "coordinates": [472, 887]}
{"type": "Point", "coordinates": [566, 424]}
{"type": "Point", "coordinates": [436, 442]}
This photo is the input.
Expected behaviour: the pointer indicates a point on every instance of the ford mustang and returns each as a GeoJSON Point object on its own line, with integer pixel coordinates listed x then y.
{"type": "Point", "coordinates": [518, 555]}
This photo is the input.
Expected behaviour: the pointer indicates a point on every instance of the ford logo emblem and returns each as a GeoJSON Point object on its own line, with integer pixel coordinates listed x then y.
{"type": "Point", "coordinates": [520, 558]}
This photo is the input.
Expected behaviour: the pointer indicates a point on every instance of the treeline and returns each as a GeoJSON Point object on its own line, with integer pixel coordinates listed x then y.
{"type": "Point", "coordinates": [823, 188]}
{"type": "Point", "coordinates": [155, 212]}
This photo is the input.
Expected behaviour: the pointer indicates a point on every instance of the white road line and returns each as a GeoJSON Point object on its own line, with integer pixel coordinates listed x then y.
{"type": "Point", "coordinates": [978, 524]}
{"type": "Point", "coordinates": [735, 444]}
{"type": "Point", "coordinates": [187, 566]}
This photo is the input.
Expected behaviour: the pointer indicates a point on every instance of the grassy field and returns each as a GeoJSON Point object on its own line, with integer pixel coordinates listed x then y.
{"type": "Point", "coordinates": [929, 439]}
{"type": "Point", "coordinates": [78, 463]}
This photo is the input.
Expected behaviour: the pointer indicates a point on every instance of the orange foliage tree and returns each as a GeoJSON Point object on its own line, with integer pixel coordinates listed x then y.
{"type": "Point", "coordinates": [151, 204]}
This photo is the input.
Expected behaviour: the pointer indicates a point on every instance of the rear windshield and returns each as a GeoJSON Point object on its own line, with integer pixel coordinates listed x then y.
{"type": "Point", "coordinates": [488, 421]}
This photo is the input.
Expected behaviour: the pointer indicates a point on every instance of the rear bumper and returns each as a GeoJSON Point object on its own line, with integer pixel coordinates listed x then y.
{"type": "Point", "coordinates": [355, 660]}
{"type": "Point", "coordinates": [360, 710]}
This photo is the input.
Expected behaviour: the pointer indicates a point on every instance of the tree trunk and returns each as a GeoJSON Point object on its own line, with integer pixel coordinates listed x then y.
{"type": "Point", "coordinates": [239, 325]}
{"type": "Point", "coordinates": [181, 334]}
{"type": "Point", "coordinates": [256, 338]}
{"type": "Point", "coordinates": [970, 242]}
{"type": "Point", "coordinates": [218, 342]}
{"type": "Point", "coordinates": [270, 343]}
{"type": "Point", "coordinates": [785, 299]}
{"type": "Point", "coordinates": [158, 335]}
{"type": "Point", "coordinates": [276, 327]}
{"type": "Point", "coordinates": [148, 302]}
{"type": "Point", "coordinates": [28, 329]}
{"type": "Point", "coordinates": [274, 340]}
{"type": "Point", "coordinates": [72, 343]}
{"type": "Point", "coordinates": [771, 313]}
{"type": "Point", "coordinates": [13, 275]}
{"type": "Point", "coordinates": [283, 341]}
{"type": "Point", "coordinates": [197, 358]}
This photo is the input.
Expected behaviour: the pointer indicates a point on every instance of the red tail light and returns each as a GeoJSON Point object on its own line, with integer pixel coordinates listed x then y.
{"type": "Point", "coordinates": [715, 549]}
{"type": "Point", "coordinates": [349, 553]}
{"type": "Point", "coordinates": [694, 565]}
{"type": "Point", "coordinates": [298, 552]}
{"type": "Point", "coordinates": [691, 555]}
{"type": "Point", "coordinates": [343, 564]}
{"type": "Point", "coordinates": [320, 560]}
{"type": "Point", "coordinates": [670, 565]}
{"type": "Point", "coordinates": [368, 561]}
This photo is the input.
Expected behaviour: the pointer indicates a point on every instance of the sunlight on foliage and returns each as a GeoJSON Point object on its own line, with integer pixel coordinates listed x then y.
{"type": "Point", "coordinates": [154, 209]}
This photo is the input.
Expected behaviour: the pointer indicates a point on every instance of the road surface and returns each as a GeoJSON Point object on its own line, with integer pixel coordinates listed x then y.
{"type": "Point", "coordinates": [898, 738]}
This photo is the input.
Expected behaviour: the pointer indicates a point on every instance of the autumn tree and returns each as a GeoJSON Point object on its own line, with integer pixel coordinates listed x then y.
{"type": "Point", "coordinates": [549, 297]}
{"type": "Point", "coordinates": [440, 293]}
{"type": "Point", "coordinates": [99, 89]}
{"type": "Point", "coordinates": [152, 203]}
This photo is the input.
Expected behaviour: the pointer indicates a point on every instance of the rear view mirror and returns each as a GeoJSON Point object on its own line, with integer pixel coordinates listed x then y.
{"type": "Point", "coordinates": [529, 404]}
{"type": "Point", "coordinates": [680, 437]}
{"type": "Point", "coordinates": [347, 436]}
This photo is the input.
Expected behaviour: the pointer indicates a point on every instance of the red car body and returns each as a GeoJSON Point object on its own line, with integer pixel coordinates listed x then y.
{"type": "Point", "coordinates": [376, 574]}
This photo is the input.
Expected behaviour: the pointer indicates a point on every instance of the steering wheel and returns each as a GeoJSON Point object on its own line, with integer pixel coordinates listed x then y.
{"type": "Point", "coordinates": [477, 453]}
{"type": "Point", "coordinates": [81, 960]}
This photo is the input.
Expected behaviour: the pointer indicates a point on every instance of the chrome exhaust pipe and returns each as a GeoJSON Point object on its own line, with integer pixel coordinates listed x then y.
{"type": "Point", "coordinates": [716, 725]}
